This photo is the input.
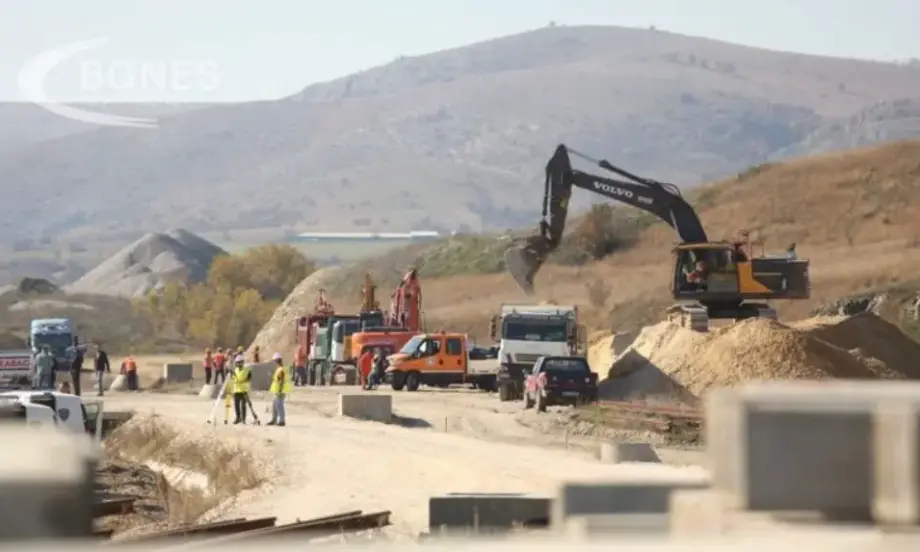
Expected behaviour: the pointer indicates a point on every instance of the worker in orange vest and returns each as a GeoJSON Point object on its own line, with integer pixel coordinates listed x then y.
{"type": "Point", "coordinates": [365, 364]}
{"type": "Point", "coordinates": [129, 369]}
{"type": "Point", "coordinates": [220, 366]}
{"type": "Point", "coordinates": [208, 363]}
{"type": "Point", "coordinates": [300, 366]}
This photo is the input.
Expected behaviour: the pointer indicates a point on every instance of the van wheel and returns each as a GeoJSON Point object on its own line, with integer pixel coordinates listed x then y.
{"type": "Point", "coordinates": [398, 382]}
{"type": "Point", "coordinates": [412, 381]}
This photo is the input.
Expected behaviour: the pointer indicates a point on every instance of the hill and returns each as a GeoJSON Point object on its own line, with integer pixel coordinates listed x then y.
{"type": "Point", "coordinates": [149, 262]}
{"type": "Point", "coordinates": [854, 214]}
{"type": "Point", "coordinates": [449, 139]}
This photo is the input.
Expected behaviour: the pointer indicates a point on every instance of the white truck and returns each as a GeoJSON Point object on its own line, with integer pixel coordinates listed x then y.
{"type": "Point", "coordinates": [63, 411]}
{"type": "Point", "coordinates": [16, 368]}
{"type": "Point", "coordinates": [525, 333]}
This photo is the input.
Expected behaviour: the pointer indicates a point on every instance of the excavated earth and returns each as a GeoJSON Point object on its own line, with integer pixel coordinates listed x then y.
{"type": "Point", "coordinates": [668, 362]}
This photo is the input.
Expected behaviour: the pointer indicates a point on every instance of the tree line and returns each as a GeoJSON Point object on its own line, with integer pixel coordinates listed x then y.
{"type": "Point", "coordinates": [239, 295]}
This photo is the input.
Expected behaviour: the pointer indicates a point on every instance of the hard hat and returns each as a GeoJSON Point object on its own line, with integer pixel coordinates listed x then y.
{"type": "Point", "coordinates": [277, 356]}
{"type": "Point", "coordinates": [239, 348]}
{"type": "Point", "coordinates": [239, 359]}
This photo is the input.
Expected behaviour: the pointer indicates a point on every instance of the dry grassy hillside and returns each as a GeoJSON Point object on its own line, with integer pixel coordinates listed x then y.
{"type": "Point", "coordinates": [467, 128]}
{"type": "Point", "coordinates": [855, 214]}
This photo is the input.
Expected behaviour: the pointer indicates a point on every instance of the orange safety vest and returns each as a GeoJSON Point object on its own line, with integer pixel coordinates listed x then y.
{"type": "Point", "coordinates": [366, 363]}
{"type": "Point", "coordinates": [300, 358]}
{"type": "Point", "coordinates": [208, 361]}
{"type": "Point", "coordinates": [130, 364]}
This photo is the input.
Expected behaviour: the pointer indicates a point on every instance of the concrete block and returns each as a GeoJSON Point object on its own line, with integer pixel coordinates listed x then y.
{"type": "Point", "coordinates": [210, 391]}
{"type": "Point", "coordinates": [592, 525]}
{"type": "Point", "coordinates": [366, 406]}
{"type": "Point", "coordinates": [787, 446]}
{"type": "Point", "coordinates": [50, 482]}
{"type": "Point", "coordinates": [120, 383]}
{"type": "Point", "coordinates": [618, 453]}
{"type": "Point", "coordinates": [896, 456]}
{"type": "Point", "coordinates": [626, 495]}
{"type": "Point", "coordinates": [485, 512]}
{"type": "Point", "coordinates": [262, 375]}
{"type": "Point", "coordinates": [177, 373]}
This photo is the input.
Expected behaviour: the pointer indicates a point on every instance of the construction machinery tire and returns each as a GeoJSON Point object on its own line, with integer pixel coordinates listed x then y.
{"type": "Point", "coordinates": [504, 392]}
{"type": "Point", "coordinates": [338, 376]}
{"type": "Point", "coordinates": [413, 381]}
{"type": "Point", "coordinates": [398, 381]}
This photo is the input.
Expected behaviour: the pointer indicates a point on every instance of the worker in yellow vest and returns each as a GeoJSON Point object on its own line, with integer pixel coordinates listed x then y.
{"type": "Point", "coordinates": [242, 376]}
{"type": "Point", "coordinates": [282, 383]}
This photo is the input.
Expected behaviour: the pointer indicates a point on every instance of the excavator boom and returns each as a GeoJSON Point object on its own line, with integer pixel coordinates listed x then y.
{"type": "Point", "coordinates": [661, 199]}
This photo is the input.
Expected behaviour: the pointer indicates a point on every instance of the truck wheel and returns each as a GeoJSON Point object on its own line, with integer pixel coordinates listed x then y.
{"type": "Point", "coordinates": [398, 381]}
{"type": "Point", "coordinates": [412, 381]}
{"type": "Point", "coordinates": [541, 403]}
{"type": "Point", "coordinates": [504, 393]}
{"type": "Point", "coordinates": [528, 402]}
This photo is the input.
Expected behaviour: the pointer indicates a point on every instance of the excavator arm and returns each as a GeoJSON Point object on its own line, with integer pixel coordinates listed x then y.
{"type": "Point", "coordinates": [661, 199]}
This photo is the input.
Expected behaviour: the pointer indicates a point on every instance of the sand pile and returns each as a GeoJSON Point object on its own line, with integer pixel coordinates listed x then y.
{"type": "Point", "coordinates": [870, 337]}
{"type": "Point", "coordinates": [278, 334]}
{"type": "Point", "coordinates": [669, 361]}
{"type": "Point", "coordinates": [149, 262]}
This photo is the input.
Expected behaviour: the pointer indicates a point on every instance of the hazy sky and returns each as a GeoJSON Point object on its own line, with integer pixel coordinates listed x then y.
{"type": "Point", "coordinates": [232, 50]}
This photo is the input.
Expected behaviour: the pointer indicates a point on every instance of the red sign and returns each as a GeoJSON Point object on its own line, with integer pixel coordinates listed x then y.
{"type": "Point", "coordinates": [15, 363]}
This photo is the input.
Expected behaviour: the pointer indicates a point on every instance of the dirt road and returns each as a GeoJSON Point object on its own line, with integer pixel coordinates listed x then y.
{"type": "Point", "coordinates": [333, 464]}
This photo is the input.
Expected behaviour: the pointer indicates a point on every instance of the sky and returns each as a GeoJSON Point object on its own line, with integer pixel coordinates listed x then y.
{"type": "Point", "coordinates": [242, 50]}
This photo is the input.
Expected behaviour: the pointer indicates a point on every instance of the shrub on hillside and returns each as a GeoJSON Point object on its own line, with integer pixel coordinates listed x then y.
{"type": "Point", "coordinates": [230, 307]}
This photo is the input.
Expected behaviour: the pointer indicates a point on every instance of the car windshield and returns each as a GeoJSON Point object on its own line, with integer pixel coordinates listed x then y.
{"type": "Point", "coordinates": [58, 342]}
{"type": "Point", "coordinates": [529, 331]}
{"type": "Point", "coordinates": [565, 365]}
{"type": "Point", "coordinates": [412, 345]}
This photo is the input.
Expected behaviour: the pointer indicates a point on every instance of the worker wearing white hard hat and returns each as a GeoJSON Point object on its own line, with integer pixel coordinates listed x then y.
{"type": "Point", "coordinates": [242, 376]}
{"type": "Point", "coordinates": [282, 384]}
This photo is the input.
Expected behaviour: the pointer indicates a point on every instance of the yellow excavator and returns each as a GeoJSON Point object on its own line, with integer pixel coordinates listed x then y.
{"type": "Point", "coordinates": [711, 279]}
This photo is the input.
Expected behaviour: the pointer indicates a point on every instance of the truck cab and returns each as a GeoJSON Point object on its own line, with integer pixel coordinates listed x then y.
{"type": "Point", "coordinates": [58, 335]}
{"type": "Point", "coordinates": [527, 332]}
{"type": "Point", "coordinates": [435, 359]}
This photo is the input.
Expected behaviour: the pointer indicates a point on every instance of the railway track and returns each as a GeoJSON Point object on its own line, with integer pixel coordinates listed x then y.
{"type": "Point", "coordinates": [676, 421]}
{"type": "Point", "coordinates": [240, 529]}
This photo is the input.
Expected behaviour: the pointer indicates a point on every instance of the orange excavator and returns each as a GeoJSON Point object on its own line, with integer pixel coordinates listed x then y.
{"type": "Point", "coordinates": [712, 279]}
{"type": "Point", "coordinates": [311, 329]}
{"type": "Point", "coordinates": [401, 323]}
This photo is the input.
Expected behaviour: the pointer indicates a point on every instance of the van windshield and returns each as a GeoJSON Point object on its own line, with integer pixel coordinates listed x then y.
{"type": "Point", "coordinates": [412, 345]}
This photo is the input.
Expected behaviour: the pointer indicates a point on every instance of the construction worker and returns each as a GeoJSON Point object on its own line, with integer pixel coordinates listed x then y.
{"type": "Point", "coordinates": [256, 356]}
{"type": "Point", "coordinates": [42, 367]}
{"type": "Point", "coordinates": [208, 363]}
{"type": "Point", "coordinates": [242, 376]}
{"type": "Point", "coordinates": [101, 364]}
{"type": "Point", "coordinates": [220, 366]}
{"type": "Point", "coordinates": [129, 369]}
{"type": "Point", "coordinates": [365, 365]}
{"type": "Point", "coordinates": [300, 366]}
{"type": "Point", "coordinates": [282, 383]}
{"type": "Point", "coordinates": [76, 369]}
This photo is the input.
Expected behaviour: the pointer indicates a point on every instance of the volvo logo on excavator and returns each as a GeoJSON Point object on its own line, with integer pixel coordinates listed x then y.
{"type": "Point", "coordinates": [615, 190]}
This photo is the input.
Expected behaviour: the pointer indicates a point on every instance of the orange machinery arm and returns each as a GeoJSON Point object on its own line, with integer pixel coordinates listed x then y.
{"type": "Point", "coordinates": [406, 305]}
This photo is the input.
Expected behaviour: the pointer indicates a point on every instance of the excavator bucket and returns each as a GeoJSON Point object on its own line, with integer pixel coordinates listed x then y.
{"type": "Point", "coordinates": [522, 265]}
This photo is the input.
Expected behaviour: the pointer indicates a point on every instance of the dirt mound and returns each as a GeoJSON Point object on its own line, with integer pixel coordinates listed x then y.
{"type": "Point", "coordinates": [869, 336]}
{"type": "Point", "coordinates": [278, 333]}
{"type": "Point", "coordinates": [666, 360]}
{"type": "Point", "coordinates": [149, 262]}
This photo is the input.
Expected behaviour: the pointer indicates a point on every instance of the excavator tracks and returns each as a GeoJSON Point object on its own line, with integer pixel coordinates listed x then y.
{"type": "Point", "coordinates": [696, 317]}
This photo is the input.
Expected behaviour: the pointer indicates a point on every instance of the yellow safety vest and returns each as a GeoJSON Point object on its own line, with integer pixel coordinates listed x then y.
{"type": "Point", "coordinates": [282, 381]}
{"type": "Point", "coordinates": [241, 379]}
